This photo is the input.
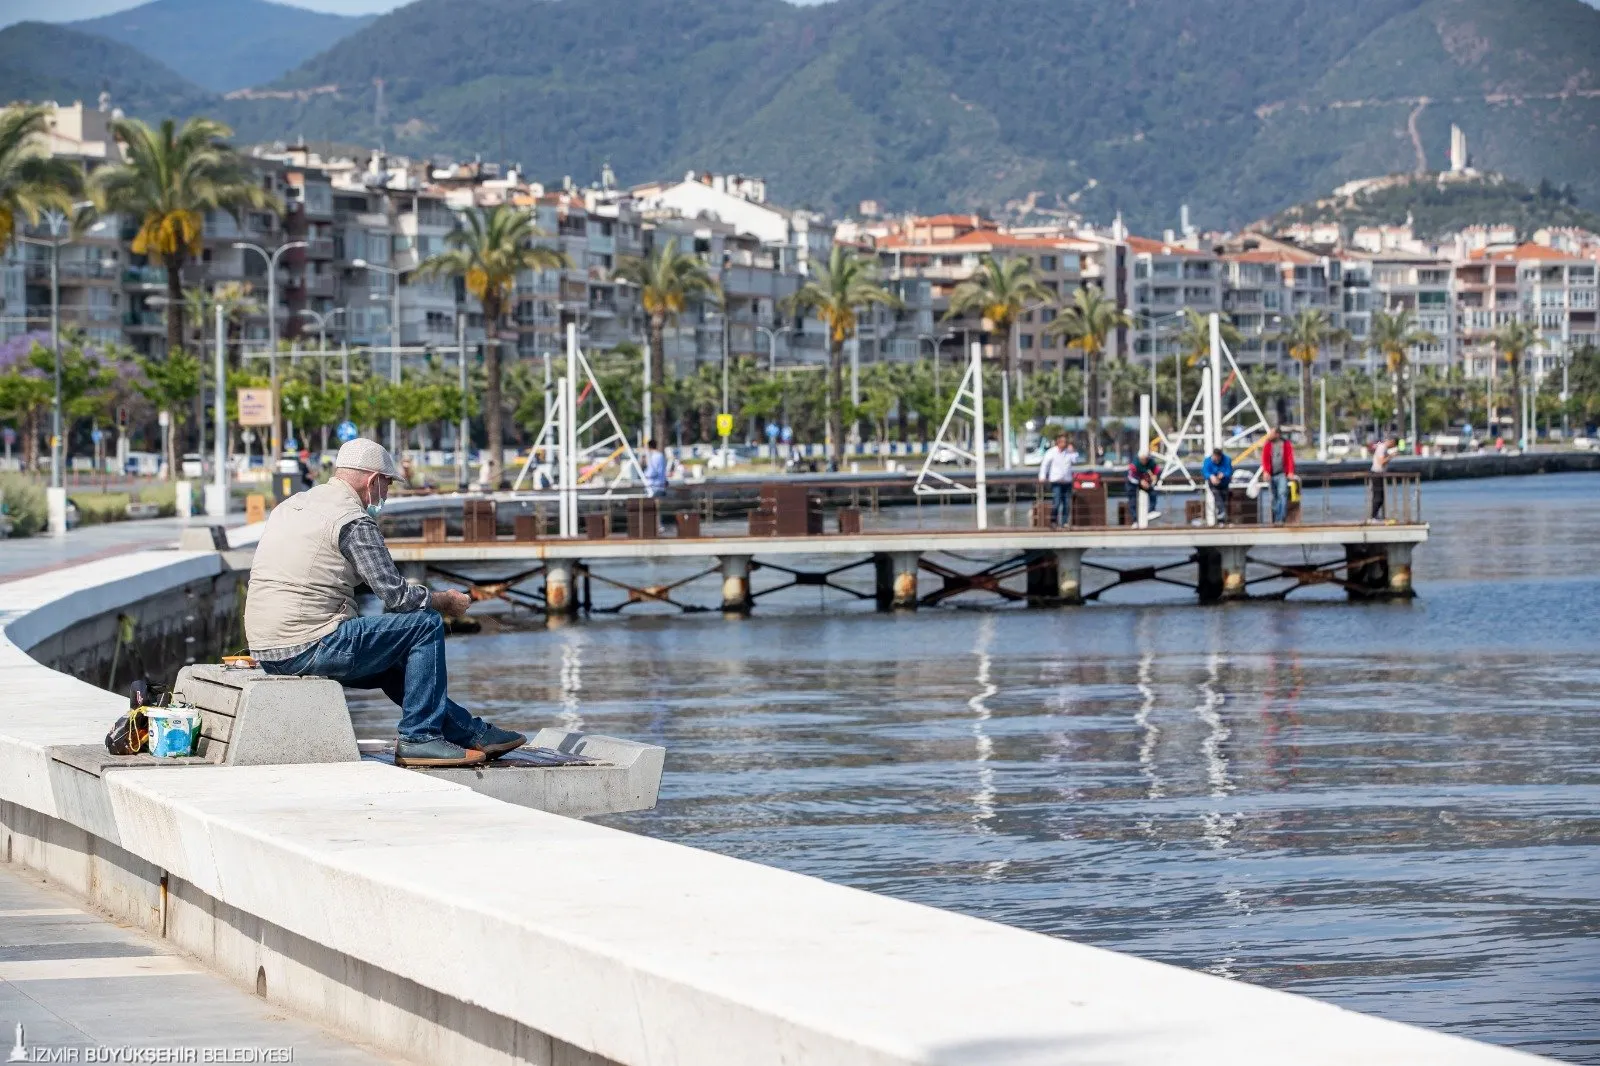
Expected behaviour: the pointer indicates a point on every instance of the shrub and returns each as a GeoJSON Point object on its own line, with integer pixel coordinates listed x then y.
{"type": "Point", "coordinates": [24, 501]}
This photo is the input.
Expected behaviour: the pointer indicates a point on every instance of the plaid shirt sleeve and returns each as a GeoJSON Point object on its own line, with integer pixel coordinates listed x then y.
{"type": "Point", "coordinates": [362, 544]}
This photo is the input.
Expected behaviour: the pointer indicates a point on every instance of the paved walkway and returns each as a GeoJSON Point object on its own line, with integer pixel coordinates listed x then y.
{"type": "Point", "coordinates": [73, 979]}
{"type": "Point", "coordinates": [25, 556]}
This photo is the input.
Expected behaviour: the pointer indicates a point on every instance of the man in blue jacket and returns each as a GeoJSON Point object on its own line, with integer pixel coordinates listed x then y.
{"type": "Point", "coordinates": [1218, 472]}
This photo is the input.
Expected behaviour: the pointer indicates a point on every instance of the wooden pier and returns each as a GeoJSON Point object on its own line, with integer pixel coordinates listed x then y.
{"type": "Point", "coordinates": [1041, 567]}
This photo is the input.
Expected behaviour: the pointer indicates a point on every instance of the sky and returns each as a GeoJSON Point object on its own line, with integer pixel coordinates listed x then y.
{"type": "Point", "coordinates": [73, 10]}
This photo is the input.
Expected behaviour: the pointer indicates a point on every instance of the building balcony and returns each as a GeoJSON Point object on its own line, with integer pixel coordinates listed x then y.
{"type": "Point", "coordinates": [319, 248]}
{"type": "Point", "coordinates": [145, 320]}
{"type": "Point", "coordinates": [145, 277]}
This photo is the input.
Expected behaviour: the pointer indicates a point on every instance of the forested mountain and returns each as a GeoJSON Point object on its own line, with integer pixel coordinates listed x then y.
{"type": "Point", "coordinates": [40, 61]}
{"type": "Point", "coordinates": [1236, 108]}
{"type": "Point", "coordinates": [224, 44]}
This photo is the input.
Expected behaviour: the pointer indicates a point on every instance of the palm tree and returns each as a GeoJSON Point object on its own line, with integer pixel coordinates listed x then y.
{"type": "Point", "coordinates": [1304, 337]}
{"type": "Point", "coordinates": [171, 176]}
{"type": "Point", "coordinates": [489, 250]}
{"type": "Point", "coordinates": [1513, 340]}
{"type": "Point", "coordinates": [666, 281]}
{"type": "Point", "coordinates": [1086, 325]}
{"type": "Point", "coordinates": [1000, 291]}
{"type": "Point", "coordinates": [834, 292]}
{"type": "Point", "coordinates": [30, 181]}
{"type": "Point", "coordinates": [1393, 336]}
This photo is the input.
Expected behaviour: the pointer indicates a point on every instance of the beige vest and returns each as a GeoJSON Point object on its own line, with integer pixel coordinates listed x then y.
{"type": "Point", "coordinates": [301, 587]}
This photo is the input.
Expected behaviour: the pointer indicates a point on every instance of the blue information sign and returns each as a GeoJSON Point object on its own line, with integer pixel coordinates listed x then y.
{"type": "Point", "coordinates": [347, 432]}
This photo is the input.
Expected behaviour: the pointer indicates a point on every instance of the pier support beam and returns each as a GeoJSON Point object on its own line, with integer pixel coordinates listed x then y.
{"type": "Point", "coordinates": [560, 593]}
{"type": "Point", "coordinates": [1367, 572]}
{"type": "Point", "coordinates": [896, 584]}
{"type": "Point", "coordinates": [1069, 576]}
{"type": "Point", "coordinates": [1233, 571]}
{"type": "Point", "coordinates": [1399, 560]}
{"type": "Point", "coordinates": [736, 584]}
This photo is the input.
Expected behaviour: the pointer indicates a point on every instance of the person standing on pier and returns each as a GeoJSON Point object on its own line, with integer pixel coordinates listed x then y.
{"type": "Point", "coordinates": [300, 613]}
{"type": "Point", "coordinates": [1277, 462]}
{"type": "Point", "coordinates": [1218, 472]}
{"type": "Point", "coordinates": [1142, 475]}
{"type": "Point", "coordinates": [1382, 454]}
{"type": "Point", "coordinates": [655, 470]}
{"type": "Point", "coordinates": [1056, 471]}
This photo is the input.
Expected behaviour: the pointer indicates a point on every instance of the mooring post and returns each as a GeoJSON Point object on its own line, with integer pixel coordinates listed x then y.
{"type": "Point", "coordinates": [1208, 574]}
{"type": "Point", "coordinates": [736, 584]}
{"type": "Point", "coordinates": [559, 598]}
{"type": "Point", "coordinates": [1232, 559]}
{"type": "Point", "coordinates": [1399, 557]}
{"type": "Point", "coordinates": [1366, 569]}
{"type": "Point", "coordinates": [1069, 576]}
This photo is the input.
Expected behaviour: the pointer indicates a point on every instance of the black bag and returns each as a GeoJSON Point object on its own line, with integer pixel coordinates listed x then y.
{"type": "Point", "coordinates": [130, 734]}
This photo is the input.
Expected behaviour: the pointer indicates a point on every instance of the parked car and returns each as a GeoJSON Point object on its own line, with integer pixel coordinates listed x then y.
{"type": "Point", "coordinates": [1340, 445]}
{"type": "Point", "coordinates": [193, 465]}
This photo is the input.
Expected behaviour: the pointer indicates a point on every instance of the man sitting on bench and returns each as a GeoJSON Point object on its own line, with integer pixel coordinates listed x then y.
{"type": "Point", "coordinates": [300, 613]}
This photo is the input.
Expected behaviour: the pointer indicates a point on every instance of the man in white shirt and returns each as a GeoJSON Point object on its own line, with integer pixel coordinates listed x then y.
{"type": "Point", "coordinates": [1382, 453]}
{"type": "Point", "coordinates": [1056, 471]}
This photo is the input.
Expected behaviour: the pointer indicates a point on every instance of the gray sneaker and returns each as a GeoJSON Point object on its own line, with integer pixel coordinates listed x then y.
{"type": "Point", "coordinates": [495, 742]}
{"type": "Point", "coordinates": [436, 753]}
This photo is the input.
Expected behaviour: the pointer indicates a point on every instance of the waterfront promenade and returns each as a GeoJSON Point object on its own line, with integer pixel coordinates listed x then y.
{"type": "Point", "coordinates": [546, 939]}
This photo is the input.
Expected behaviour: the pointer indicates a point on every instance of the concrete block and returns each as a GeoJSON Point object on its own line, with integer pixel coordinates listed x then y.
{"type": "Point", "coordinates": [250, 718]}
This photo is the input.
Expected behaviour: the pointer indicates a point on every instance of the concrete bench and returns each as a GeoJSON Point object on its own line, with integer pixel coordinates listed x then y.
{"type": "Point", "coordinates": [250, 718]}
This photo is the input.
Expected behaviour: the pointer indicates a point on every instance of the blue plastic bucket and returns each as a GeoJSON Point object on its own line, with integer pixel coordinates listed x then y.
{"type": "Point", "coordinates": [174, 731]}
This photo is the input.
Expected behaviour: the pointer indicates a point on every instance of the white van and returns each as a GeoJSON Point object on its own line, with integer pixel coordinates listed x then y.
{"type": "Point", "coordinates": [1340, 446]}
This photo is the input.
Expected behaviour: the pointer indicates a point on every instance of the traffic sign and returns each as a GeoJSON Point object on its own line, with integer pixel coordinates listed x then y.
{"type": "Point", "coordinates": [772, 431]}
{"type": "Point", "coordinates": [724, 424]}
{"type": "Point", "coordinates": [10, 436]}
{"type": "Point", "coordinates": [96, 436]}
{"type": "Point", "coordinates": [788, 434]}
{"type": "Point", "coordinates": [347, 432]}
{"type": "Point", "coordinates": [291, 445]}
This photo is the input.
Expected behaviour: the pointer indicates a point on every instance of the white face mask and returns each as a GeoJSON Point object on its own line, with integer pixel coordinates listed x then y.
{"type": "Point", "coordinates": [375, 508]}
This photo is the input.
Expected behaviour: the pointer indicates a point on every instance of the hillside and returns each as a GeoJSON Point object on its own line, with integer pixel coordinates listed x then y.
{"type": "Point", "coordinates": [41, 62]}
{"type": "Point", "coordinates": [1437, 209]}
{"type": "Point", "coordinates": [224, 44]}
{"type": "Point", "coordinates": [1139, 106]}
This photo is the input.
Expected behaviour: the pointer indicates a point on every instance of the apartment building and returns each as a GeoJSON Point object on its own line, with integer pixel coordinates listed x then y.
{"type": "Point", "coordinates": [1550, 287]}
{"type": "Point", "coordinates": [1394, 281]}
{"type": "Point", "coordinates": [1265, 283]}
{"type": "Point", "coordinates": [1167, 276]}
{"type": "Point", "coordinates": [926, 259]}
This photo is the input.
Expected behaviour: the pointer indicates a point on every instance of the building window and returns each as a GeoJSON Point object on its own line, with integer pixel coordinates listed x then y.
{"type": "Point", "coordinates": [1025, 342]}
{"type": "Point", "coordinates": [1047, 262]}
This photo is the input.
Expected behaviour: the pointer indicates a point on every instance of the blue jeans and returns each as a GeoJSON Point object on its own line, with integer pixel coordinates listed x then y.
{"type": "Point", "coordinates": [402, 654]}
{"type": "Point", "coordinates": [1280, 498]}
{"type": "Point", "coordinates": [1061, 502]}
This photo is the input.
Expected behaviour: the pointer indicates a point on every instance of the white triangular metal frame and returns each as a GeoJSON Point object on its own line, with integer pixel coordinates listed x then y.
{"type": "Point", "coordinates": [966, 404]}
{"type": "Point", "coordinates": [1207, 408]}
{"type": "Point", "coordinates": [557, 438]}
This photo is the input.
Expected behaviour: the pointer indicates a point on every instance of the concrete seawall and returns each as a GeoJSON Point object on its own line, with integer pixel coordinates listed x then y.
{"type": "Point", "coordinates": [447, 926]}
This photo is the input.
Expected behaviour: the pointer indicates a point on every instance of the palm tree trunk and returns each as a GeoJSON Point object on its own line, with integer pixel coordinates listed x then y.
{"type": "Point", "coordinates": [174, 304]}
{"type": "Point", "coordinates": [1091, 403]}
{"type": "Point", "coordinates": [836, 400]}
{"type": "Point", "coordinates": [1516, 393]}
{"type": "Point", "coordinates": [658, 376]}
{"type": "Point", "coordinates": [1395, 409]}
{"type": "Point", "coordinates": [492, 415]}
{"type": "Point", "coordinates": [1305, 399]}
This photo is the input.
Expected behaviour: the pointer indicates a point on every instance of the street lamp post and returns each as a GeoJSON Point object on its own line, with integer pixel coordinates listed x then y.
{"type": "Point", "coordinates": [772, 346]}
{"type": "Point", "coordinates": [394, 333]}
{"type": "Point", "coordinates": [937, 342]}
{"type": "Point", "coordinates": [272, 325]}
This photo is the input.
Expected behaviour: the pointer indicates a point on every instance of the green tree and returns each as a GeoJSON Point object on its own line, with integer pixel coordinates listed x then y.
{"type": "Point", "coordinates": [1512, 343]}
{"type": "Point", "coordinates": [31, 181]}
{"type": "Point", "coordinates": [1086, 324]}
{"type": "Point", "coordinates": [1306, 334]}
{"type": "Point", "coordinates": [1000, 291]}
{"type": "Point", "coordinates": [170, 384]}
{"type": "Point", "coordinates": [834, 293]}
{"type": "Point", "coordinates": [171, 176]}
{"type": "Point", "coordinates": [1394, 334]}
{"type": "Point", "coordinates": [25, 398]}
{"type": "Point", "coordinates": [491, 247]}
{"type": "Point", "coordinates": [667, 279]}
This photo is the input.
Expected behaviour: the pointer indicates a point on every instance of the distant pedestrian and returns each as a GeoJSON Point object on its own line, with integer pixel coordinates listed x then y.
{"type": "Point", "coordinates": [1218, 472]}
{"type": "Point", "coordinates": [1056, 471]}
{"type": "Point", "coordinates": [655, 470]}
{"type": "Point", "coordinates": [1277, 462]}
{"type": "Point", "coordinates": [1142, 475]}
{"type": "Point", "coordinates": [1383, 453]}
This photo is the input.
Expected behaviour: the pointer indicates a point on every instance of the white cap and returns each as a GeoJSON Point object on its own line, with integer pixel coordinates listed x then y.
{"type": "Point", "coordinates": [363, 454]}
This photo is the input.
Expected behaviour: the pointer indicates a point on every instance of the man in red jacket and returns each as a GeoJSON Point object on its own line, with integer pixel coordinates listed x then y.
{"type": "Point", "coordinates": [1277, 462]}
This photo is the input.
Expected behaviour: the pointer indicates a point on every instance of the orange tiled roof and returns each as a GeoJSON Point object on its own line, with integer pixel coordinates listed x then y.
{"type": "Point", "coordinates": [1146, 246]}
{"type": "Point", "coordinates": [1528, 250]}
